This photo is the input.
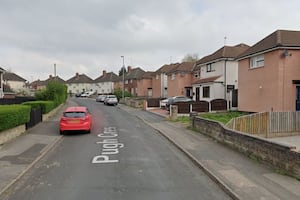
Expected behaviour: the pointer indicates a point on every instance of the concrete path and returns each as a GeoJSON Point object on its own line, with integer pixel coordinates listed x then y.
{"type": "Point", "coordinates": [20, 154]}
{"type": "Point", "coordinates": [240, 176]}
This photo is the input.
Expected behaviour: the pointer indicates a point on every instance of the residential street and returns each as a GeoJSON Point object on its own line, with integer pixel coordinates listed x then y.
{"type": "Point", "coordinates": [122, 158]}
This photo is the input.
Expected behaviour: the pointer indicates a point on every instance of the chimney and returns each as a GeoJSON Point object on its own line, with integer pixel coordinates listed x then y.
{"type": "Point", "coordinates": [50, 76]}
{"type": "Point", "coordinates": [77, 75]}
{"type": "Point", "coordinates": [128, 68]}
{"type": "Point", "coordinates": [103, 72]}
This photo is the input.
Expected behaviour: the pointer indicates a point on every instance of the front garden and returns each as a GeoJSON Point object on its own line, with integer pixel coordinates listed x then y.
{"type": "Point", "coordinates": [47, 99]}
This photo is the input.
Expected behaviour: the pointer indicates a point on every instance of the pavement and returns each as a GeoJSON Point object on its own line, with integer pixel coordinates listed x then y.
{"type": "Point", "coordinates": [22, 153]}
{"type": "Point", "coordinates": [239, 176]}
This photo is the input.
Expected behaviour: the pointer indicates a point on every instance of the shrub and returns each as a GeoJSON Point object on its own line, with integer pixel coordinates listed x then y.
{"type": "Point", "coordinates": [119, 93]}
{"type": "Point", "coordinates": [13, 115]}
{"type": "Point", "coordinates": [54, 91]}
{"type": "Point", "coordinates": [46, 106]}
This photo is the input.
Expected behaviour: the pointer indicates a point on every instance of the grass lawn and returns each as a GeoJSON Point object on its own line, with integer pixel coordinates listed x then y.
{"type": "Point", "coordinates": [224, 117]}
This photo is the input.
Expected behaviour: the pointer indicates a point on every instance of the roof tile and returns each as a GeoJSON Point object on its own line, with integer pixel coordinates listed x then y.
{"type": "Point", "coordinates": [277, 39]}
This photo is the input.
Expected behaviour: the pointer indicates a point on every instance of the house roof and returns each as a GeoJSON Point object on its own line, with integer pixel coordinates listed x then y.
{"type": "Point", "coordinates": [80, 78]}
{"type": "Point", "coordinates": [57, 78]}
{"type": "Point", "coordinates": [37, 83]}
{"type": "Point", "coordinates": [136, 73]}
{"type": "Point", "coordinates": [223, 53]}
{"type": "Point", "coordinates": [182, 67]}
{"type": "Point", "coordinates": [9, 76]}
{"type": "Point", "coordinates": [207, 80]}
{"type": "Point", "coordinates": [148, 75]}
{"type": "Point", "coordinates": [1, 69]}
{"type": "Point", "coordinates": [277, 39]}
{"type": "Point", "coordinates": [166, 68]}
{"type": "Point", "coordinates": [107, 77]}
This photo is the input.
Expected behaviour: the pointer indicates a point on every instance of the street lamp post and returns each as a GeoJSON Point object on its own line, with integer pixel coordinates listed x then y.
{"type": "Point", "coordinates": [123, 67]}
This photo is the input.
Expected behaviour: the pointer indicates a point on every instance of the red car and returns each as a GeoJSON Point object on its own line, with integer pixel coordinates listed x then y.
{"type": "Point", "coordinates": [75, 118]}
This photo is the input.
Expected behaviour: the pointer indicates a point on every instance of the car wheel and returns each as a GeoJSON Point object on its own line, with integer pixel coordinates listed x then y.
{"type": "Point", "coordinates": [88, 131]}
{"type": "Point", "coordinates": [61, 132]}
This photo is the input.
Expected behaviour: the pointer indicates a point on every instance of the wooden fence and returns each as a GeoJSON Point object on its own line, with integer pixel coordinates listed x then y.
{"type": "Point", "coordinates": [268, 124]}
{"type": "Point", "coordinates": [16, 100]}
{"type": "Point", "coordinates": [198, 106]}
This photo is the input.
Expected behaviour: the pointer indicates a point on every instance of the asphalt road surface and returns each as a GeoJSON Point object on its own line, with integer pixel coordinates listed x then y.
{"type": "Point", "coordinates": [122, 158]}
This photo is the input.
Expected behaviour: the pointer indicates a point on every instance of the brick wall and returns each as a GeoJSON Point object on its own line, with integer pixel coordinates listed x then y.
{"type": "Point", "coordinates": [280, 156]}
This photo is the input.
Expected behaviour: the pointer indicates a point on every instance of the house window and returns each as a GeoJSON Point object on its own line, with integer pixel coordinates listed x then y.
{"type": "Point", "coordinates": [150, 92]}
{"type": "Point", "coordinates": [257, 61]}
{"type": "Point", "coordinates": [157, 76]}
{"type": "Point", "coordinates": [206, 91]}
{"type": "Point", "coordinates": [172, 76]}
{"type": "Point", "coordinates": [210, 68]}
{"type": "Point", "coordinates": [126, 82]}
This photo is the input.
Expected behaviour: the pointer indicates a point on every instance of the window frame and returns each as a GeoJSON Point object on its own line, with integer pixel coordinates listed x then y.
{"type": "Point", "coordinates": [206, 92]}
{"type": "Point", "coordinates": [257, 61]}
{"type": "Point", "coordinates": [210, 67]}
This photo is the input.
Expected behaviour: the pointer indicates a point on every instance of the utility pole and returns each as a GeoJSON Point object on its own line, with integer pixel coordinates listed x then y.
{"type": "Point", "coordinates": [123, 67]}
{"type": "Point", "coordinates": [54, 70]}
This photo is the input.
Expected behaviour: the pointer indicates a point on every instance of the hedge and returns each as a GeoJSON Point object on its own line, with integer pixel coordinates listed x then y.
{"type": "Point", "coordinates": [46, 106]}
{"type": "Point", "coordinates": [13, 115]}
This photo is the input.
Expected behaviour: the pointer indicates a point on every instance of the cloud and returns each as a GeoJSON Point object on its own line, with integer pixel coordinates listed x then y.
{"type": "Point", "coordinates": [90, 36]}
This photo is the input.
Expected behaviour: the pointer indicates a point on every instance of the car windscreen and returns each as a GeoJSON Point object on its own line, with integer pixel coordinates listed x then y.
{"type": "Point", "coordinates": [74, 114]}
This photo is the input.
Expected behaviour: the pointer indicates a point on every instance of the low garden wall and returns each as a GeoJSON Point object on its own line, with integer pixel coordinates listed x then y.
{"type": "Point", "coordinates": [281, 156]}
{"type": "Point", "coordinates": [12, 133]}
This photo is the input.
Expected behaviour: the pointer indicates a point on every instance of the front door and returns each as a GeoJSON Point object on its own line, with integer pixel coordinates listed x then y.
{"type": "Point", "coordinates": [297, 98]}
{"type": "Point", "coordinates": [197, 93]}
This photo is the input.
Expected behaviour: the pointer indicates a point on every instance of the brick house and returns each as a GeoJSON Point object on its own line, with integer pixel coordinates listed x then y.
{"type": "Point", "coordinates": [180, 79]}
{"type": "Point", "coordinates": [269, 74]}
{"type": "Point", "coordinates": [131, 80]}
{"type": "Point", "coordinates": [39, 85]}
{"type": "Point", "coordinates": [144, 85]}
{"type": "Point", "coordinates": [160, 81]}
{"type": "Point", "coordinates": [216, 75]}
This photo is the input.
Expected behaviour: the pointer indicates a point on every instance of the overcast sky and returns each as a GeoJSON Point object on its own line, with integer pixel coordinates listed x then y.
{"type": "Point", "coordinates": [89, 36]}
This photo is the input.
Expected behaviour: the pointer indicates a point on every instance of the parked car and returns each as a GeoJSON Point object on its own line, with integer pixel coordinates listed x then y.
{"type": "Point", "coordinates": [163, 103]}
{"type": "Point", "coordinates": [84, 94]}
{"type": "Point", "coordinates": [100, 98]}
{"type": "Point", "coordinates": [177, 99]}
{"type": "Point", "coordinates": [76, 118]}
{"type": "Point", "coordinates": [87, 94]}
{"type": "Point", "coordinates": [78, 94]}
{"type": "Point", "coordinates": [111, 100]}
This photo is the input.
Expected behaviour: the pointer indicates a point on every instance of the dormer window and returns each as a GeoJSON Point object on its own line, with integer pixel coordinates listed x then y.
{"type": "Point", "coordinates": [257, 61]}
